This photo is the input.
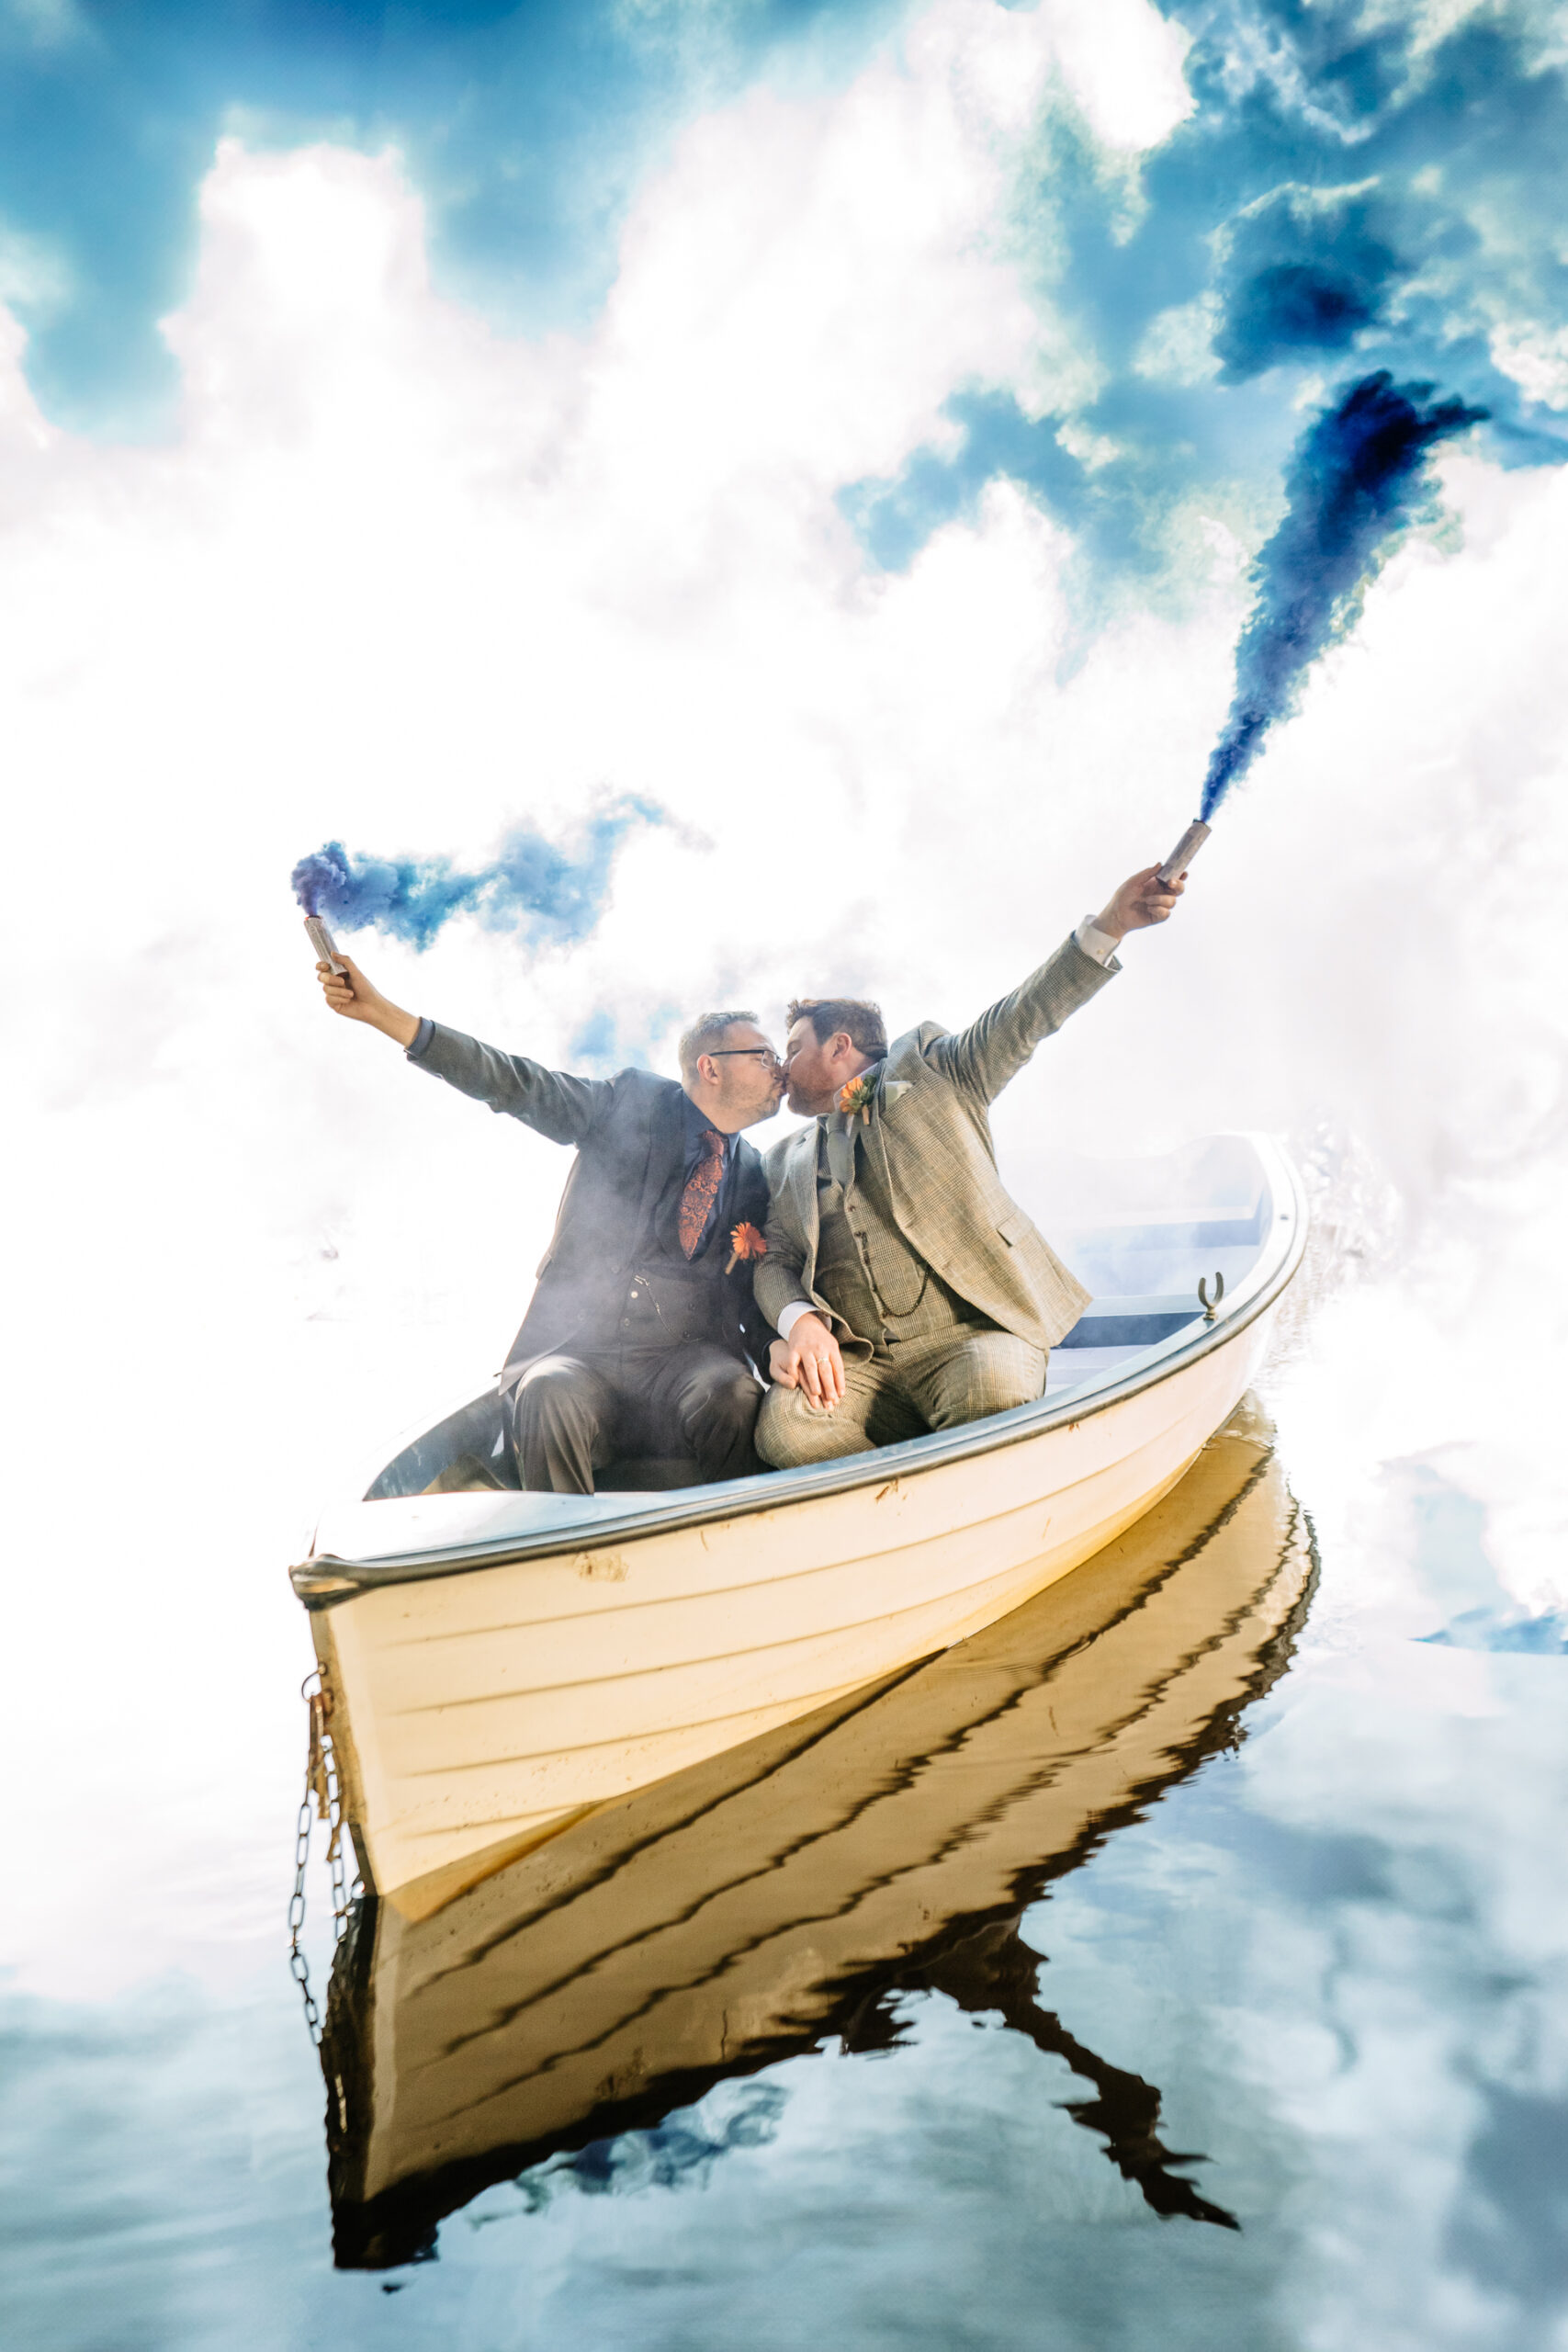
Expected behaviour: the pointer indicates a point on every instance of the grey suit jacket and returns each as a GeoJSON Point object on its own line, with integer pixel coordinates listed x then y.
{"type": "Point", "coordinates": [935, 1137]}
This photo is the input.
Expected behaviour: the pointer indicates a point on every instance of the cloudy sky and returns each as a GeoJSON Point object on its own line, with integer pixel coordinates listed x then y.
{"type": "Point", "coordinates": [799, 468]}
{"type": "Point", "coordinates": [783, 479]}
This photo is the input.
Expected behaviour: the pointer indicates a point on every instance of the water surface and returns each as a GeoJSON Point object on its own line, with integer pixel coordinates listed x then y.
{"type": "Point", "coordinates": [1178, 1962]}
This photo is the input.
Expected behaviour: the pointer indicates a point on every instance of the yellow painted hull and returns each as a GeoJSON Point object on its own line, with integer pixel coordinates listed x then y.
{"type": "Point", "coordinates": [483, 1710]}
{"type": "Point", "coordinates": [743, 1907]}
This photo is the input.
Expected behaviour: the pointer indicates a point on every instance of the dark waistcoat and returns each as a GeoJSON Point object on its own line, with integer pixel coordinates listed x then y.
{"type": "Point", "coordinates": [609, 1233]}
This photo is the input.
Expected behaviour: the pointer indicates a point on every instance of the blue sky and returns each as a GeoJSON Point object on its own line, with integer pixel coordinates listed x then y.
{"type": "Point", "coordinates": [1354, 187]}
{"type": "Point", "coordinates": [1345, 195]}
{"type": "Point", "coordinates": [1345, 187]}
{"type": "Point", "coordinates": [525, 126]}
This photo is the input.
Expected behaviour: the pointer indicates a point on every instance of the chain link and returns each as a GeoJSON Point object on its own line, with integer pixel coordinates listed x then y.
{"type": "Point", "coordinates": [322, 1801]}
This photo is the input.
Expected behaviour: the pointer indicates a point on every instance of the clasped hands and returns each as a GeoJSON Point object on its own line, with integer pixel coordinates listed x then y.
{"type": "Point", "coordinates": [810, 1360]}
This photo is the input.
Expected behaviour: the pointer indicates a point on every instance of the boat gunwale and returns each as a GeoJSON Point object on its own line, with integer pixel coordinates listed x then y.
{"type": "Point", "coordinates": [328, 1579]}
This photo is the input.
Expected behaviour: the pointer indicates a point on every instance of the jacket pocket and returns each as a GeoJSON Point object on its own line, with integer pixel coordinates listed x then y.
{"type": "Point", "coordinates": [1014, 1226]}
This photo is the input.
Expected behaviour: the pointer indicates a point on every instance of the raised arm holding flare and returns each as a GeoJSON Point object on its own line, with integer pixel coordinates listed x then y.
{"type": "Point", "coordinates": [642, 1337]}
{"type": "Point", "coordinates": [910, 1291]}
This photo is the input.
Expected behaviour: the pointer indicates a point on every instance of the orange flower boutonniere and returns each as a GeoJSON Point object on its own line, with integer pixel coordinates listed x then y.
{"type": "Point", "coordinates": [745, 1243]}
{"type": "Point", "coordinates": [872, 1085]}
{"type": "Point", "coordinates": [859, 1093]}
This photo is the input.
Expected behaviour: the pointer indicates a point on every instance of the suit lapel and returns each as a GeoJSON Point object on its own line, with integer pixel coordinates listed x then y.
{"type": "Point", "coordinates": [665, 1129]}
{"type": "Point", "coordinates": [751, 1187]}
{"type": "Point", "coordinates": [803, 1189]}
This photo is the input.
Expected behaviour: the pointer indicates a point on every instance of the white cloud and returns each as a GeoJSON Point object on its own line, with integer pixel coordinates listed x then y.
{"type": "Point", "coordinates": [1124, 66]}
{"type": "Point", "coordinates": [1537, 359]}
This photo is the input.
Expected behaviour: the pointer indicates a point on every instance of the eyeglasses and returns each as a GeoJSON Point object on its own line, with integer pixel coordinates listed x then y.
{"type": "Point", "coordinates": [763, 1054]}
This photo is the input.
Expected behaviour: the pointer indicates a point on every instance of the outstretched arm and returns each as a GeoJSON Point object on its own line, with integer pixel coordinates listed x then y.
{"type": "Point", "coordinates": [551, 1101]}
{"type": "Point", "coordinates": [983, 1057]}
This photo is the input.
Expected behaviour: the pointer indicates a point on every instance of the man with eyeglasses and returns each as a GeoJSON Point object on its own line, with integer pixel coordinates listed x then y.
{"type": "Point", "coordinates": [642, 1344]}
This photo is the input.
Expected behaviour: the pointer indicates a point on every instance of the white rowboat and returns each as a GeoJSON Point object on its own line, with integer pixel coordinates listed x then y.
{"type": "Point", "coordinates": [498, 1664]}
{"type": "Point", "coordinates": [803, 1885]}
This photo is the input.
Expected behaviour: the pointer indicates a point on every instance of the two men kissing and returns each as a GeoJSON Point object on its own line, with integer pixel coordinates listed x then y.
{"type": "Point", "coordinates": [702, 1312]}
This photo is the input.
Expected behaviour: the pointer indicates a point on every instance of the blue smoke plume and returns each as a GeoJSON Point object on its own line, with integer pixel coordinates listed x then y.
{"type": "Point", "coordinates": [1358, 477]}
{"type": "Point", "coordinates": [560, 896]}
{"type": "Point", "coordinates": [1353, 188]}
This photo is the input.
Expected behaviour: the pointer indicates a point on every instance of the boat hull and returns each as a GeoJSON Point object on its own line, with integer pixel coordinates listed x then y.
{"type": "Point", "coordinates": [741, 1911]}
{"type": "Point", "coordinates": [483, 1710]}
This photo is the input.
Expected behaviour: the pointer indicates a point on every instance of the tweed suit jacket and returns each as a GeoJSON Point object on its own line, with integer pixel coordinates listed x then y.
{"type": "Point", "coordinates": [629, 1131]}
{"type": "Point", "coordinates": [931, 1126]}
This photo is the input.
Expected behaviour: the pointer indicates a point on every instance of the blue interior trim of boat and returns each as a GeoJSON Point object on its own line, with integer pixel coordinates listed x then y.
{"type": "Point", "coordinates": [1127, 1330]}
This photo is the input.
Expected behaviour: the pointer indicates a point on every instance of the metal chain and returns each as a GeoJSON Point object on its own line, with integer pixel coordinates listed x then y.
{"type": "Point", "coordinates": [323, 1800]}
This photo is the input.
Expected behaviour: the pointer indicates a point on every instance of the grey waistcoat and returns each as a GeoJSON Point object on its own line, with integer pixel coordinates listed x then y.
{"type": "Point", "coordinates": [865, 1269]}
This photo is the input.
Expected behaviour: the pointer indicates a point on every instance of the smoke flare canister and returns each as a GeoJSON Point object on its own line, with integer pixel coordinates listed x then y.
{"type": "Point", "coordinates": [1186, 850]}
{"type": "Point", "coordinates": [321, 940]}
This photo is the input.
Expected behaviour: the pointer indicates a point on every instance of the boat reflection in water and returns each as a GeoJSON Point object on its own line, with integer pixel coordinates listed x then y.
{"type": "Point", "coordinates": [795, 1890]}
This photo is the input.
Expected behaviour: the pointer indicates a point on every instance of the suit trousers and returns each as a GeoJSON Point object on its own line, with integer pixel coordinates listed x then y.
{"type": "Point", "coordinates": [572, 1414]}
{"type": "Point", "coordinates": [938, 1383]}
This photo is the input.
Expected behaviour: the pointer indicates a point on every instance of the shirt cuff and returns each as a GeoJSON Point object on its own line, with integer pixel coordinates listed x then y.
{"type": "Point", "coordinates": [790, 1316]}
{"type": "Point", "coordinates": [1094, 942]}
{"type": "Point", "coordinates": [422, 1037]}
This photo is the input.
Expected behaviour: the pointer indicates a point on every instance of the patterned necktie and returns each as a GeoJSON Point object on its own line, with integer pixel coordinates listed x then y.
{"type": "Point", "coordinates": [702, 1191]}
